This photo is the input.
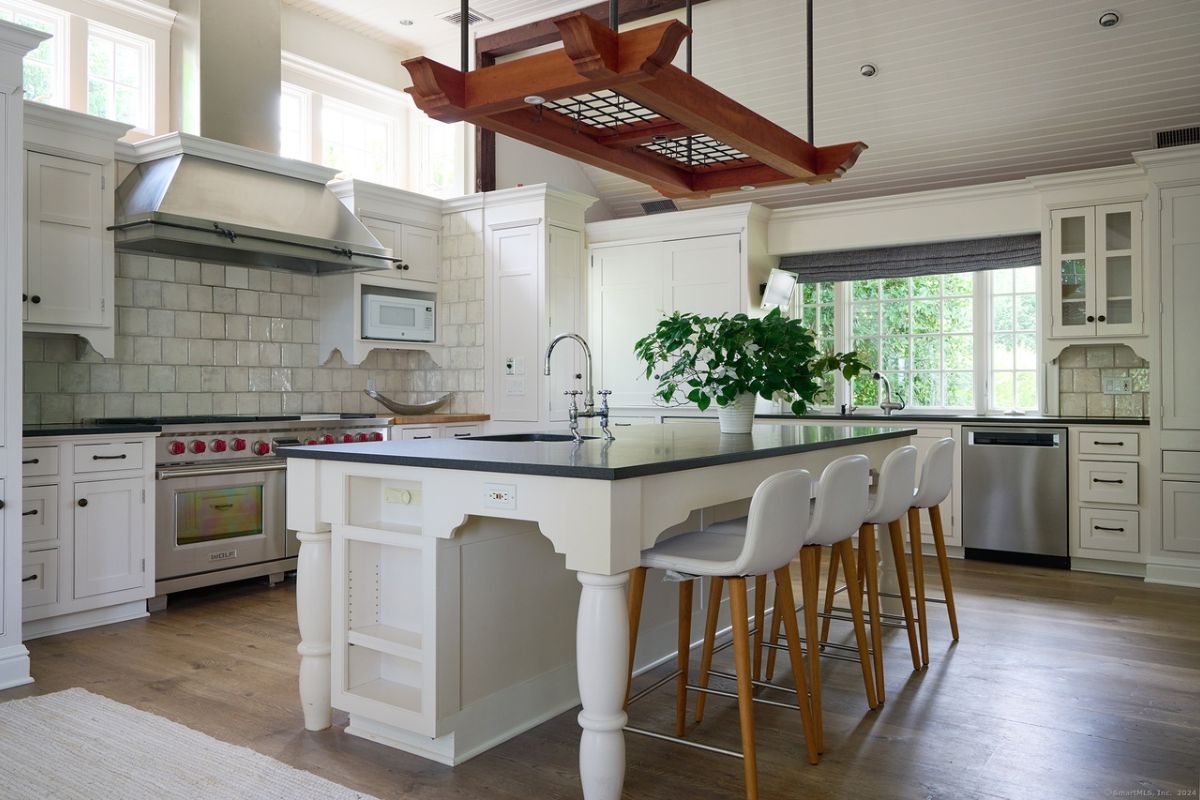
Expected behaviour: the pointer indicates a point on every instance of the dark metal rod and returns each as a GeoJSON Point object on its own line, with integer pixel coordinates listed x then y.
{"type": "Point", "coordinates": [691, 34]}
{"type": "Point", "coordinates": [464, 34]}
{"type": "Point", "coordinates": [685, 742]}
{"type": "Point", "coordinates": [233, 236]}
{"type": "Point", "coordinates": [809, 48]}
{"type": "Point", "coordinates": [612, 15]}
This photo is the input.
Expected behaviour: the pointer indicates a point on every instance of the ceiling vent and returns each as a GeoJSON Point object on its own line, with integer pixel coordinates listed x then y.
{"type": "Point", "coordinates": [1177, 137]}
{"type": "Point", "coordinates": [454, 17]}
{"type": "Point", "coordinates": [659, 206]}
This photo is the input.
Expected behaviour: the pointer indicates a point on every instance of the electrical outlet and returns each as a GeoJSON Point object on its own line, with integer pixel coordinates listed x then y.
{"type": "Point", "coordinates": [518, 364]}
{"type": "Point", "coordinates": [399, 495]}
{"type": "Point", "coordinates": [499, 495]}
{"type": "Point", "coordinates": [1118, 386]}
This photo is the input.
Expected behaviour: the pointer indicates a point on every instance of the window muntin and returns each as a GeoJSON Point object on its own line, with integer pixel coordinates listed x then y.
{"type": "Point", "coordinates": [814, 304]}
{"type": "Point", "coordinates": [357, 141]}
{"type": "Point", "coordinates": [1012, 333]}
{"type": "Point", "coordinates": [45, 68]}
{"type": "Point", "coordinates": [295, 129]}
{"type": "Point", "coordinates": [438, 169]}
{"type": "Point", "coordinates": [119, 83]}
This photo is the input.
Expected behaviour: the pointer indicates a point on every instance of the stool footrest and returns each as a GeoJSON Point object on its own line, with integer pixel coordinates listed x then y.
{"type": "Point", "coordinates": [927, 599]}
{"type": "Point", "coordinates": [679, 740]}
{"type": "Point", "coordinates": [763, 700]}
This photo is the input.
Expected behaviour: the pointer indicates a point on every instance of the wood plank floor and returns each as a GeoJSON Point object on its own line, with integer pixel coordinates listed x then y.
{"type": "Point", "coordinates": [1064, 685]}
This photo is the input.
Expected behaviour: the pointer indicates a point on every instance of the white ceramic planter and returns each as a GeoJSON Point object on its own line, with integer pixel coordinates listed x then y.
{"type": "Point", "coordinates": [738, 416]}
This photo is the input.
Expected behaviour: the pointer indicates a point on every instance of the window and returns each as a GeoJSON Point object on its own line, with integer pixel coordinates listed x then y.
{"type": "Point", "coordinates": [962, 342]}
{"type": "Point", "coordinates": [438, 164]}
{"type": "Point", "coordinates": [45, 69]}
{"type": "Point", "coordinates": [294, 128]}
{"type": "Point", "coordinates": [119, 76]}
{"type": "Point", "coordinates": [358, 142]}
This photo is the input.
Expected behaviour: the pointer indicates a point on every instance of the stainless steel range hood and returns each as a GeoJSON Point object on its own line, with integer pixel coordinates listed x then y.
{"type": "Point", "coordinates": [205, 200]}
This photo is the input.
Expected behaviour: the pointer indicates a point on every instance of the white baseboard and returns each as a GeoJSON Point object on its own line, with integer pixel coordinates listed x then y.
{"type": "Point", "coordinates": [84, 619]}
{"type": "Point", "coordinates": [14, 666]}
{"type": "Point", "coordinates": [1174, 574]}
{"type": "Point", "coordinates": [1106, 567]}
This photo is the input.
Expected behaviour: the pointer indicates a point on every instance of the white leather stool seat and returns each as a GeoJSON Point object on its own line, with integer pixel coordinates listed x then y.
{"type": "Point", "coordinates": [697, 553]}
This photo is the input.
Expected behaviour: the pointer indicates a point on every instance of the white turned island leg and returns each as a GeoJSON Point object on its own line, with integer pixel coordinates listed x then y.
{"type": "Point", "coordinates": [602, 653]}
{"type": "Point", "coordinates": [313, 616]}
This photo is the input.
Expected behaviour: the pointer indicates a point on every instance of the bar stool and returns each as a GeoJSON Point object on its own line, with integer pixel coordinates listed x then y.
{"type": "Point", "coordinates": [837, 512]}
{"type": "Point", "coordinates": [937, 474]}
{"type": "Point", "coordinates": [773, 533]}
{"type": "Point", "coordinates": [889, 501]}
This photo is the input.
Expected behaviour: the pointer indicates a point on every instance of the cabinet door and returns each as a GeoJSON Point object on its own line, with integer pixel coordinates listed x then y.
{"type": "Point", "coordinates": [627, 301]}
{"type": "Point", "coordinates": [703, 275]}
{"type": "Point", "coordinates": [564, 292]}
{"type": "Point", "coordinates": [1180, 322]}
{"type": "Point", "coordinates": [39, 514]}
{"type": "Point", "coordinates": [1181, 513]}
{"type": "Point", "coordinates": [421, 253]}
{"type": "Point", "coordinates": [64, 241]}
{"type": "Point", "coordinates": [517, 313]}
{"type": "Point", "coordinates": [110, 536]}
{"type": "Point", "coordinates": [388, 234]}
{"type": "Point", "coordinates": [923, 441]}
{"type": "Point", "coordinates": [412, 433]}
{"type": "Point", "coordinates": [1072, 263]}
{"type": "Point", "coordinates": [1118, 307]}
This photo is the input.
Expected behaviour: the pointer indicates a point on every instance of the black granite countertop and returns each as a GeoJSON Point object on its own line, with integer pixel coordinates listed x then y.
{"type": "Point", "coordinates": [84, 429]}
{"type": "Point", "coordinates": [638, 450]}
{"type": "Point", "coordinates": [966, 419]}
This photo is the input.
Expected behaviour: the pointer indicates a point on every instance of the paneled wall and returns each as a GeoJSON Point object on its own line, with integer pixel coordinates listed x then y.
{"type": "Point", "coordinates": [1081, 374]}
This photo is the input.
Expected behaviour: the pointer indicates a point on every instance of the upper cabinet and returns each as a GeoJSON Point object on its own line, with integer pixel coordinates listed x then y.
{"type": "Point", "coordinates": [68, 282]}
{"type": "Point", "coordinates": [1096, 269]}
{"type": "Point", "coordinates": [408, 224]}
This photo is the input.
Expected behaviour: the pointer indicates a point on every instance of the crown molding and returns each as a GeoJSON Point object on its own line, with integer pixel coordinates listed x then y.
{"type": "Point", "coordinates": [139, 9]}
{"type": "Point", "coordinates": [173, 144]}
{"type": "Point", "coordinates": [709, 221]}
{"type": "Point", "coordinates": [343, 80]}
{"type": "Point", "coordinates": [987, 191]}
{"type": "Point", "coordinates": [73, 122]}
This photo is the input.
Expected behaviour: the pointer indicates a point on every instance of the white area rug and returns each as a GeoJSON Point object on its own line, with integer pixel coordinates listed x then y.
{"type": "Point", "coordinates": [75, 745]}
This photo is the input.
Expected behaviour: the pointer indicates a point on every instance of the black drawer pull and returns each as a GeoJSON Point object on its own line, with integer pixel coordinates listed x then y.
{"type": "Point", "coordinates": [30, 461]}
{"type": "Point", "coordinates": [32, 577]}
{"type": "Point", "coordinates": [1108, 444]}
{"type": "Point", "coordinates": [1102, 528]}
{"type": "Point", "coordinates": [223, 506]}
{"type": "Point", "coordinates": [110, 458]}
{"type": "Point", "coordinates": [30, 513]}
{"type": "Point", "coordinates": [1107, 480]}
{"type": "Point", "coordinates": [421, 437]}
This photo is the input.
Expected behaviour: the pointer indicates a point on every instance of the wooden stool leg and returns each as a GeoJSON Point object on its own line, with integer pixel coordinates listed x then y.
{"type": "Point", "coordinates": [866, 545]}
{"type": "Point", "coordinates": [810, 574]}
{"type": "Point", "coordinates": [856, 611]}
{"type": "Point", "coordinates": [775, 620]}
{"type": "Point", "coordinates": [830, 591]}
{"type": "Point", "coordinates": [783, 579]}
{"type": "Point", "coordinates": [760, 610]}
{"type": "Point", "coordinates": [637, 588]}
{"type": "Point", "coordinates": [939, 542]}
{"type": "Point", "coordinates": [897, 536]}
{"type": "Point", "coordinates": [716, 585]}
{"type": "Point", "coordinates": [918, 564]}
{"type": "Point", "coordinates": [741, 657]}
{"type": "Point", "coordinates": [684, 643]}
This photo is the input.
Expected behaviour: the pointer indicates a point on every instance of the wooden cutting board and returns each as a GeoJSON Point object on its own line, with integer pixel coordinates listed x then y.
{"type": "Point", "coordinates": [439, 419]}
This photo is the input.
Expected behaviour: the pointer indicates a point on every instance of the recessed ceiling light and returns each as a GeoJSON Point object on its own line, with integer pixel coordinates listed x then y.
{"type": "Point", "coordinates": [747, 188]}
{"type": "Point", "coordinates": [1109, 19]}
{"type": "Point", "coordinates": [868, 70]}
{"type": "Point", "coordinates": [405, 22]}
{"type": "Point", "coordinates": [534, 99]}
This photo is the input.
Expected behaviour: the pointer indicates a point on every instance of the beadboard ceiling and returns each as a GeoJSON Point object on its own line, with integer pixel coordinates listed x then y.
{"type": "Point", "coordinates": [967, 91]}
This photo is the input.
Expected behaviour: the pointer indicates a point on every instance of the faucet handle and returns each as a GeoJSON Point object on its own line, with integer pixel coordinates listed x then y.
{"type": "Point", "coordinates": [572, 392]}
{"type": "Point", "coordinates": [604, 392]}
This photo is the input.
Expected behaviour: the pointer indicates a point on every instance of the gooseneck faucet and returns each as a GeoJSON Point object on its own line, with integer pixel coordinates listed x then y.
{"type": "Point", "coordinates": [887, 405]}
{"type": "Point", "coordinates": [589, 403]}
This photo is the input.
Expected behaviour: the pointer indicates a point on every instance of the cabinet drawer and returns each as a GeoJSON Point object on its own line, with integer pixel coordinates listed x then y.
{"type": "Point", "coordinates": [460, 431]}
{"type": "Point", "coordinates": [410, 433]}
{"type": "Point", "coordinates": [39, 578]}
{"type": "Point", "coordinates": [1184, 462]}
{"type": "Point", "coordinates": [39, 514]}
{"type": "Point", "coordinates": [1108, 529]}
{"type": "Point", "coordinates": [1107, 443]}
{"type": "Point", "coordinates": [39, 461]}
{"type": "Point", "coordinates": [1108, 482]}
{"type": "Point", "coordinates": [108, 457]}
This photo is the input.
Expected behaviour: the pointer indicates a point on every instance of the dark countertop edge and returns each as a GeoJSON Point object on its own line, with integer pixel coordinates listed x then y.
{"type": "Point", "coordinates": [594, 473]}
{"type": "Point", "coordinates": [81, 429]}
{"type": "Point", "coordinates": [965, 420]}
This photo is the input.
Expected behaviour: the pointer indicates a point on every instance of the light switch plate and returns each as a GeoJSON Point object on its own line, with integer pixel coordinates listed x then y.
{"type": "Point", "coordinates": [499, 495]}
{"type": "Point", "coordinates": [514, 385]}
{"type": "Point", "coordinates": [1118, 386]}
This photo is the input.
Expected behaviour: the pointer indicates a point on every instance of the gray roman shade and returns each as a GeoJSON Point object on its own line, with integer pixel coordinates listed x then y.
{"type": "Point", "coordinates": [933, 258]}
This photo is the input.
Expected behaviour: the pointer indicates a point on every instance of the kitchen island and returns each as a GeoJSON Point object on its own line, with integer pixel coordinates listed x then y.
{"type": "Point", "coordinates": [434, 595]}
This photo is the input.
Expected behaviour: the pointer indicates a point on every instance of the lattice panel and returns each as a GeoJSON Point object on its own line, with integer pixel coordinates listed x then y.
{"type": "Point", "coordinates": [604, 110]}
{"type": "Point", "coordinates": [704, 151]}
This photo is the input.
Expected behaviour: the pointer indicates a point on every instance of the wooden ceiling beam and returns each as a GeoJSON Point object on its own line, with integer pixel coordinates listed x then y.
{"type": "Point", "coordinates": [632, 136]}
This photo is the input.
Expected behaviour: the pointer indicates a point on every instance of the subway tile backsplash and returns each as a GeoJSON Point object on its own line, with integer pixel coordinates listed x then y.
{"type": "Point", "coordinates": [1081, 373]}
{"type": "Point", "coordinates": [197, 338]}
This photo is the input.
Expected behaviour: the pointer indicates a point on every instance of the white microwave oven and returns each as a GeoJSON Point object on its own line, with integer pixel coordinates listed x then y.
{"type": "Point", "coordinates": [397, 318]}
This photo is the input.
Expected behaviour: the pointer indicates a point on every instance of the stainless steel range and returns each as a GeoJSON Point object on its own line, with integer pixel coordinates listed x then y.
{"type": "Point", "coordinates": [221, 497]}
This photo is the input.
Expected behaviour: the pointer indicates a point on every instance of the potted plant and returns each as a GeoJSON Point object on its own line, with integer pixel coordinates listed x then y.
{"type": "Point", "coordinates": [729, 360]}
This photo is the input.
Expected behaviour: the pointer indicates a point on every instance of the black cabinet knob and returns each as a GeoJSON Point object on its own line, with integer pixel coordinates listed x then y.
{"type": "Point", "coordinates": [1, 504]}
{"type": "Point", "coordinates": [24, 297]}
{"type": "Point", "coordinates": [35, 299]}
{"type": "Point", "coordinates": [1100, 318]}
{"type": "Point", "coordinates": [83, 502]}
{"type": "Point", "coordinates": [1090, 318]}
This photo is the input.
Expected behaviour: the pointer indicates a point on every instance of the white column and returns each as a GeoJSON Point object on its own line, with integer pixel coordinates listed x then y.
{"type": "Point", "coordinates": [313, 616]}
{"type": "Point", "coordinates": [602, 653]}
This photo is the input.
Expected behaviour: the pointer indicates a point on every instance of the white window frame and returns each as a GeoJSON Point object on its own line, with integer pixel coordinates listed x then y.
{"type": "Point", "coordinates": [304, 98]}
{"type": "Point", "coordinates": [61, 24]}
{"type": "Point", "coordinates": [391, 125]}
{"type": "Point", "coordinates": [146, 48]}
{"type": "Point", "coordinates": [990, 367]}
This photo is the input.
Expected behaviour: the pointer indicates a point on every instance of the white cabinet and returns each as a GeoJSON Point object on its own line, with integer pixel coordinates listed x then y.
{"type": "Point", "coordinates": [1096, 271]}
{"type": "Point", "coordinates": [413, 433]}
{"type": "Point", "coordinates": [109, 536]}
{"type": "Point", "coordinates": [418, 249]}
{"type": "Point", "coordinates": [69, 276]}
{"type": "Point", "coordinates": [406, 223]}
{"type": "Point", "coordinates": [1181, 516]}
{"type": "Point", "coordinates": [1180, 223]}
{"type": "Point", "coordinates": [443, 430]}
{"type": "Point", "coordinates": [1108, 501]}
{"type": "Point", "coordinates": [39, 515]}
{"type": "Point", "coordinates": [1109, 529]}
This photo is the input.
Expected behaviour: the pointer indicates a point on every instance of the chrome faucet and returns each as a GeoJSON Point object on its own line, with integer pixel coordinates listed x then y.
{"type": "Point", "coordinates": [887, 405]}
{"type": "Point", "coordinates": [589, 403]}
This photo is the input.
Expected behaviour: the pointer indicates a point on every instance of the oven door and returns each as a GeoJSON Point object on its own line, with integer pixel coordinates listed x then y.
{"type": "Point", "coordinates": [215, 517]}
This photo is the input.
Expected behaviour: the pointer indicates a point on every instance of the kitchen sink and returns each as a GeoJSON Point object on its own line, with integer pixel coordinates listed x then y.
{"type": "Point", "coordinates": [525, 437]}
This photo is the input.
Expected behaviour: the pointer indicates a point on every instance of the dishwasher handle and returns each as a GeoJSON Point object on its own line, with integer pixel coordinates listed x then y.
{"type": "Point", "coordinates": [1014, 439]}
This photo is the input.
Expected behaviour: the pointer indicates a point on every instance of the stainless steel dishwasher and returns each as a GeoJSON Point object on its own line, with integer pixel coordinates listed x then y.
{"type": "Point", "coordinates": [1014, 490]}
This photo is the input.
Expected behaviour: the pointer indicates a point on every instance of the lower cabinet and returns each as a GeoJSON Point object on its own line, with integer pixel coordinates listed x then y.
{"type": "Point", "coordinates": [1181, 516]}
{"type": "Point", "coordinates": [110, 536]}
{"type": "Point", "coordinates": [410, 433]}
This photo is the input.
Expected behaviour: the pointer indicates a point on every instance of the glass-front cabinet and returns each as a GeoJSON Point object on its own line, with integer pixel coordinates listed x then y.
{"type": "Point", "coordinates": [1096, 269]}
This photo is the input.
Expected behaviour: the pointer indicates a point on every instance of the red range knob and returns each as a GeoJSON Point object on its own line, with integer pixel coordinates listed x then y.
{"type": "Point", "coordinates": [239, 445]}
{"type": "Point", "coordinates": [261, 448]}
{"type": "Point", "coordinates": [347, 437]}
{"type": "Point", "coordinates": [362, 437]}
{"type": "Point", "coordinates": [376, 436]}
{"type": "Point", "coordinates": [327, 438]}
{"type": "Point", "coordinates": [311, 441]}
{"type": "Point", "coordinates": [218, 445]}
{"type": "Point", "coordinates": [199, 446]}
{"type": "Point", "coordinates": [176, 448]}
